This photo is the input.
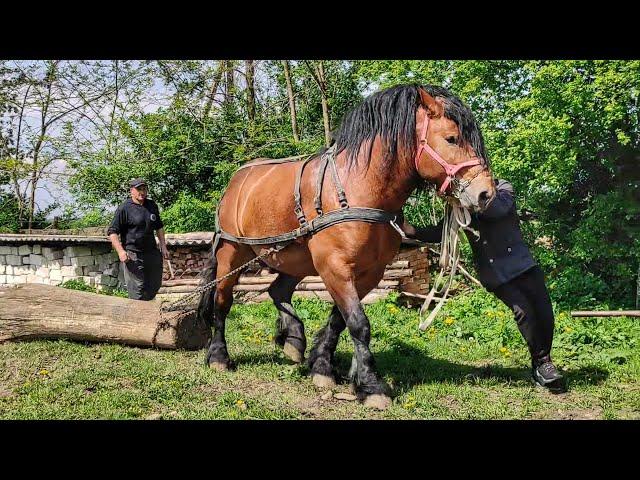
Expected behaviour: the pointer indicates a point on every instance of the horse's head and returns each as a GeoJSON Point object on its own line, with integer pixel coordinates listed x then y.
{"type": "Point", "coordinates": [450, 151]}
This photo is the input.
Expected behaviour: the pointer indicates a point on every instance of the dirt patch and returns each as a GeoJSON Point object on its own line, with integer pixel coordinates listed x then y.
{"type": "Point", "coordinates": [6, 393]}
{"type": "Point", "coordinates": [594, 413]}
{"type": "Point", "coordinates": [450, 402]}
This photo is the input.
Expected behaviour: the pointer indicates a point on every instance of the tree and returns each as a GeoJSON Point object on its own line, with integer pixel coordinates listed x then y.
{"type": "Point", "coordinates": [317, 72]}
{"type": "Point", "coordinates": [292, 100]}
{"type": "Point", "coordinates": [251, 94]}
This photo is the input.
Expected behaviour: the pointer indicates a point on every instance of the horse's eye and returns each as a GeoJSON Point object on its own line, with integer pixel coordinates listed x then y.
{"type": "Point", "coordinates": [452, 140]}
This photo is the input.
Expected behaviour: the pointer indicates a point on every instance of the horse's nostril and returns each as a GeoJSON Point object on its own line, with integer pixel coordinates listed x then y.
{"type": "Point", "coordinates": [484, 196]}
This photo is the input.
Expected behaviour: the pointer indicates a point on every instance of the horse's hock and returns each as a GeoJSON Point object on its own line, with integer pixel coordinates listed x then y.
{"type": "Point", "coordinates": [51, 259]}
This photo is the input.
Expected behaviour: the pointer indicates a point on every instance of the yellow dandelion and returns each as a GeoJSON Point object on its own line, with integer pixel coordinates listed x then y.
{"type": "Point", "coordinates": [44, 372]}
{"type": "Point", "coordinates": [448, 320]}
{"type": "Point", "coordinates": [568, 329]}
{"type": "Point", "coordinates": [503, 349]}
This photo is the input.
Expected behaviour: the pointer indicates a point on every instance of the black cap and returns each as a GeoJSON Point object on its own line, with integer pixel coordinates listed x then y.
{"type": "Point", "coordinates": [136, 182]}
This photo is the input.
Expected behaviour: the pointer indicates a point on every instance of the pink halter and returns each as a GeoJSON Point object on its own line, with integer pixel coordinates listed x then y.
{"type": "Point", "coordinates": [449, 169]}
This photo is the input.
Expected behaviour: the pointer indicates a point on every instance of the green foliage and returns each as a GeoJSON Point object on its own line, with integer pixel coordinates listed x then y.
{"type": "Point", "coordinates": [9, 212]}
{"type": "Point", "coordinates": [565, 133]}
{"type": "Point", "coordinates": [77, 284]}
{"type": "Point", "coordinates": [94, 217]}
{"type": "Point", "coordinates": [188, 214]}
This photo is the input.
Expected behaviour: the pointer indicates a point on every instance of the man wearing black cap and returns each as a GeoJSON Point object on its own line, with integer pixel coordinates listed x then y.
{"type": "Point", "coordinates": [131, 234]}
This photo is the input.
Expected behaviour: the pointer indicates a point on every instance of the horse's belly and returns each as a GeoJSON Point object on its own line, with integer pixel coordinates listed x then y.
{"type": "Point", "coordinates": [294, 260]}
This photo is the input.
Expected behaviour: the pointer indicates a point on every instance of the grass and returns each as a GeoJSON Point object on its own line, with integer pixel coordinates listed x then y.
{"type": "Point", "coordinates": [470, 364]}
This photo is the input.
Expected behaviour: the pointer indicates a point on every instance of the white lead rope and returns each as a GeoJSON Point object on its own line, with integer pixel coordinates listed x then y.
{"type": "Point", "coordinates": [456, 217]}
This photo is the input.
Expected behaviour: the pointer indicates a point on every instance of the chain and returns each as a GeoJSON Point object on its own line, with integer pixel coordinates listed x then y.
{"type": "Point", "coordinates": [166, 306]}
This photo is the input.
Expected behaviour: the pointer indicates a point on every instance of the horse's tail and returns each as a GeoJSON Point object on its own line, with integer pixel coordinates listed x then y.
{"type": "Point", "coordinates": [205, 307]}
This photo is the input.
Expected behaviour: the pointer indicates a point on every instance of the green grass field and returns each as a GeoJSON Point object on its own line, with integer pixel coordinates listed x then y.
{"type": "Point", "coordinates": [470, 364]}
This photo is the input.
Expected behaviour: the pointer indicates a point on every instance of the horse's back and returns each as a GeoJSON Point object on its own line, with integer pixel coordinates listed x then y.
{"type": "Point", "coordinates": [259, 200]}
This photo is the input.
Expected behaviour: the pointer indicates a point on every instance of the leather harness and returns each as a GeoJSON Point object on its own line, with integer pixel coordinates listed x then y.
{"type": "Point", "coordinates": [345, 213]}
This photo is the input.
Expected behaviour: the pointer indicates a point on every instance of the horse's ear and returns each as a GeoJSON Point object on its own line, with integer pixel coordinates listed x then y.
{"type": "Point", "coordinates": [434, 107]}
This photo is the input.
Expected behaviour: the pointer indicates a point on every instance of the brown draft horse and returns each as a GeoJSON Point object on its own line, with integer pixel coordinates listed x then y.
{"type": "Point", "coordinates": [383, 153]}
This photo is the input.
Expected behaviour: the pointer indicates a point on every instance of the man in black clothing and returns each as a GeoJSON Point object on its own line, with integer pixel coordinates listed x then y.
{"type": "Point", "coordinates": [506, 268]}
{"type": "Point", "coordinates": [131, 234]}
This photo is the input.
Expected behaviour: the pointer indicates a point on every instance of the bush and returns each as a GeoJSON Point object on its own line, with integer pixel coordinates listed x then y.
{"type": "Point", "coordinates": [189, 214]}
{"type": "Point", "coordinates": [77, 284]}
{"type": "Point", "coordinates": [8, 214]}
{"type": "Point", "coordinates": [96, 217]}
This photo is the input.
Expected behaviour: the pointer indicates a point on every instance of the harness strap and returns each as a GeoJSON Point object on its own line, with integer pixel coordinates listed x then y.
{"type": "Point", "coordinates": [297, 197]}
{"type": "Point", "coordinates": [358, 214]}
{"type": "Point", "coordinates": [321, 171]}
{"type": "Point", "coordinates": [342, 197]}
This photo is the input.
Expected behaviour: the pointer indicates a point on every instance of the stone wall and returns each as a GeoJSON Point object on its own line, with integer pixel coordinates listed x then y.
{"type": "Point", "coordinates": [96, 264]}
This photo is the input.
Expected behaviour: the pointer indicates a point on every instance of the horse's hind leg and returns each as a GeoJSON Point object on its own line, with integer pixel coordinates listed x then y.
{"type": "Point", "coordinates": [324, 346]}
{"type": "Point", "coordinates": [229, 256]}
{"type": "Point", "coordinates": [289, 329]}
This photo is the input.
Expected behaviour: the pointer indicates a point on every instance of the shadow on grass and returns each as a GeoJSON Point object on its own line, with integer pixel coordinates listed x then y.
{"type": "Point", "coordinates": [408, 366]}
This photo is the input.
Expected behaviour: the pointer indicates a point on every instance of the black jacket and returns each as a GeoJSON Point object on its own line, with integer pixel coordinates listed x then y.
{"type": "Point", "coordinates": [135, 223]}
{"type": "Point", "coordinates": [499, 253]}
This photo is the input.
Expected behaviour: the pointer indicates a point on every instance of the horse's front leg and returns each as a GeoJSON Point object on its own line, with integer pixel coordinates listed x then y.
{"type": "Point", "coordinates": [346, 292]}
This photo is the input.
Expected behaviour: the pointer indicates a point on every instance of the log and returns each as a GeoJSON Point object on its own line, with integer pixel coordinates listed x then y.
{"type": "Point", "coordinates": [399, 264]}
{"type": "Point", "coordinates": [41, 311]}
{"type": "Point", "coordinates": [605, 313]}
{"type": "Point", "coordinates": [182, 281]}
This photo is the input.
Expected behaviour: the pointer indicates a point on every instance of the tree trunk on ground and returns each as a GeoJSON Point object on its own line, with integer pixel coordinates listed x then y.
{"type": "Point", "coordinates": [42, 311]}
{"type": "Point", "coordinates": [251, 94]}
{"type": "Point", "coordinates": [292, 101]}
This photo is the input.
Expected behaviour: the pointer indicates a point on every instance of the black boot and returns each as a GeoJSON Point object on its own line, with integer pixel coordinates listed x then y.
{"type": "Point", "coordinates": [545, 374]}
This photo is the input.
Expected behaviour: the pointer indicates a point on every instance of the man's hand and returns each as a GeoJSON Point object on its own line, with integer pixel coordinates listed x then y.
{"type": "Point", "coordinates": [123, 256]}
{"type": "Point", "coordinates": [165, 252]}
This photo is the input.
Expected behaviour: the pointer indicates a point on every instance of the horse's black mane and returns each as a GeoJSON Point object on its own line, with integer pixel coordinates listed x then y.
{"type": "Point", "coordinates": [391, 113]}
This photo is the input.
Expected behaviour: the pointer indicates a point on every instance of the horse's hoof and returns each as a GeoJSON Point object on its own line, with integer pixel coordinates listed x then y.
{"type": "Point", "coordinates": [220, 366]}
{"type": "Point", "coordinates": [323, 381]}
{"type": "Point", "coordinates": [292, 353]}
{"type": "Point", "coordinates": [381, 402]}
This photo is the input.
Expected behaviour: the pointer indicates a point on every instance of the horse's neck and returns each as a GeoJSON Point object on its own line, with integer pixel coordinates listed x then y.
{"type": "Point", "coordinates": [377, 186]}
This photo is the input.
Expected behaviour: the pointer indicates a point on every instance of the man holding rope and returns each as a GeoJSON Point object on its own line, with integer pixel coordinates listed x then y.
{"type": "Point", "coordinates": [506, 268]}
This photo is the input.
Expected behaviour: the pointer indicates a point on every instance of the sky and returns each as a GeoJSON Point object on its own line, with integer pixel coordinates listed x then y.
{"type": "Point", "coordinates": [54, 188]}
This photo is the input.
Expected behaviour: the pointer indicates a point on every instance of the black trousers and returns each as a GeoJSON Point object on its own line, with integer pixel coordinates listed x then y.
{"type": "Point", "coordinates": [528, 298]}
{"type": "Point", "coordinates": [143, 274]}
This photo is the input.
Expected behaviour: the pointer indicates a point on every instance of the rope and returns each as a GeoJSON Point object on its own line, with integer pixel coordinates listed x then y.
{"type": "Point", "coordinates": [456, 218]}
{"type": "Point", "coordinates": [171, 306]}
